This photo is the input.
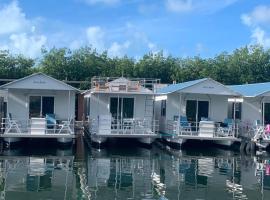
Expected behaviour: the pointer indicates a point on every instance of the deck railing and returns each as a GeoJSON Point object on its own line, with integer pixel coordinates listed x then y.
{"type": "Point", "coordinates": [63, 126]}
{"type": "Point", "coordinates": [134, 84]}
{"type": "Point", "coordinates": [214, 129]}
{"type": "Point", "coordinates": [125, 126]}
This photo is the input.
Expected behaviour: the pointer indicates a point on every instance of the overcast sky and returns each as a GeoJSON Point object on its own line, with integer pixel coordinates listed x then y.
{"type": "Point", "coordinates": [134, 27]}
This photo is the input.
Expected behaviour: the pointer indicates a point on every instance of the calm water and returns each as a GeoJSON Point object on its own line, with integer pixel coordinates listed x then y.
{"type": "Point", "coordinates": [132, 173]}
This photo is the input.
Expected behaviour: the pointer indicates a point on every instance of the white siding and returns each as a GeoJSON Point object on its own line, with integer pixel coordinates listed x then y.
{"type": "Point", "coordinates": [218, 106]}
{"type": "Point", "coordinates": [18, 102]}
{"type": "Point", "coordinates": [209, 87]}
{"type": "Point", "coordinates": [100, 104]}
{"type": "Point", "coordinates": [251, 110]}
{"type": "Point", "coordinates": [173, 106]}
{"type": "Point", "coordinates": [39, 82]}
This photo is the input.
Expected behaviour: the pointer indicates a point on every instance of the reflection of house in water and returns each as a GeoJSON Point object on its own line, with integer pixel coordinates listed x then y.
{"type": "Point", "coordinates": [119, 177]}
{"type": "Point", "coordinates": [262, 173]}
{"type": "Point", "coordinates": [192, 177]}
{"type": "Point", "coordinates": [23, 177]}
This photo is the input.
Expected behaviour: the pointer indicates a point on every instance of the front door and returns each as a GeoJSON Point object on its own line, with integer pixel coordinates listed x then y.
{"type": "Point", "coordinates": [40, 106]}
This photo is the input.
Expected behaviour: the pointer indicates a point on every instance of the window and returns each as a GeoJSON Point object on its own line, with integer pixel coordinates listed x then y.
{"type": "Point", "coordinates": [266, 113]}
{"type": "Point", "coordinates": [238, 110]}
{"type": "Point", "coordinates": [40, 106]}
{"type": "Point", "coordinates": [122, 107]}
{"type": "Point", "coordinates": [196, 110]}
{"type": "Point", "coordinates": [163, 108]}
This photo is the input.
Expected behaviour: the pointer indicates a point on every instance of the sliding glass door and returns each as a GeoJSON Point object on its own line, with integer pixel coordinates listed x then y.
{"type": "Point", "coordinates": [39, 106]}
{"type": "Point", "coordinates": [266, 113]}
{"type": "Point", "coordinates": [196, 110]}
{"type": "Point", "coordinates": [121, 108]}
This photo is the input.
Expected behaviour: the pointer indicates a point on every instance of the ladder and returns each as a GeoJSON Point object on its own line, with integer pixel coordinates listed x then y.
{"type": "Point", "coordinates": [149, 107]}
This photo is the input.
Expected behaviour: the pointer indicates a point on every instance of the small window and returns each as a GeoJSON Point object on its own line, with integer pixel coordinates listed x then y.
{"type": "Point", "coordinates": [163, 108]}
{"type": "Point", "coordinates": [238, 110]}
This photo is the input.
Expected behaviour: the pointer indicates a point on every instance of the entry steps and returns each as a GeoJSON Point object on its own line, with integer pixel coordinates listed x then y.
{"type": "Point", "coordinates": [38, 126]}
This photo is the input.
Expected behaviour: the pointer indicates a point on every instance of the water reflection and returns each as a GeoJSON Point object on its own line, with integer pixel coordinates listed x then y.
{"type": "Point", "coordinates": [29, 177]}
{"type": "Point", "coordinates": [137, 173]}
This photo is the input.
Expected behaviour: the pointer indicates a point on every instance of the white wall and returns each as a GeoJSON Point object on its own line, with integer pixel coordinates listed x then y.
{"type": "Point", "coordinates": [173, 106]}
{"type": "Point", "coordinates": [100, 104]}
{"type": "Point", "coordinates": [18, 102]}
{"type": "Point", "coordinates": [251, 110]}
{"type": "Point", "coordinates": [218, 106]}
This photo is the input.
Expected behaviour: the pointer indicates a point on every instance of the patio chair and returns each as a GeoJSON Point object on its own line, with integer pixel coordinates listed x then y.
{"type": "Point", "coordinates": [51, 122]}
{"type": "Point", "coordinates": [128, 125]}
{"type": "Point", "coordinates": [65, 126]}
{"type": "Point", "coordinates": [227, 128]}
{"type": "Point", "coordinates": [266, 132]}
{"type": "Point", "coordinates": [12, 124]}
{"type": "Point", "coordinates": [185, 126]}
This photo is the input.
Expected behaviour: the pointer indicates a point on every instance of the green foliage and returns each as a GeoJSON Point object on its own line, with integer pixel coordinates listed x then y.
{"type": "Point", "coordinates": [249, 64]}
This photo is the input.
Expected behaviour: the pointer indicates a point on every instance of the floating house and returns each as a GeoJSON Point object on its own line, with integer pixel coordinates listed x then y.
{"type": "Point", "coordinates": [255, 111]}
{"type": "Point", "coordinates": [198, 110]}
{"type": "Point", "coordinates": [121, 108]}
{"type": "Point", "coordinates": [38, 106]}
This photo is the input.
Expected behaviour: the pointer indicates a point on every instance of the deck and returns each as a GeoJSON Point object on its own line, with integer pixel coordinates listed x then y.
{"type": "Point", "coordinates": [111, 135]}
{"type": "Point", "coordinates": [29, 135]}
{"type": "Point", "coordinates": [195, 137]}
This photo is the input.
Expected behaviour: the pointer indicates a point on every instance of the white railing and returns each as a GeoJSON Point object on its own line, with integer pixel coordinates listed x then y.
{"type": "Point", "coordinates": [62, 126]}
{"type": "Point", "coordinates": [134, 84]}
{"type": "Point", "coordinates": [125, 126]}
{"type": "Point", "coordinates": [214, 129]}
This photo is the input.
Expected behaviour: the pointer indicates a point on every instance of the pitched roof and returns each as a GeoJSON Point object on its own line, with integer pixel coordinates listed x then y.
{"type": "Point", "coordinates": [38, 81]}
{"type": "Point", "coordinates": [179, 86]}
{"type": "Point", "coordinates": [251, 90]}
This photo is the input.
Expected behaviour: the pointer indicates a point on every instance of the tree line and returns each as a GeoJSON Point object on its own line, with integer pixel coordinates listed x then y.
{"type": "Point", "coordinates": [249, 64]}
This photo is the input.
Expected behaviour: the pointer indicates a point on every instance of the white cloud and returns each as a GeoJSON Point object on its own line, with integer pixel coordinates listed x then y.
{"type": "Point", "coordinates": [117, 49]}
{"type": "Point", "coordinates": [139, 38]}
{"type": "Point", "coordinates": [259, 36]}
{"type": "Point", "coordinates": [28, 44]}
{"type": "Point", "coordinates": [107, 2]}
{"type": "Point", "coordinates": [95, 36]}
{"type": "Point", "coordinates": [179, 5]}
{"type": "Point", "coordinates": [12, 19]}
{"type": "Point", "coordinates": [18, 34]}
{"type": "Point", "coordinates": [117, 42]}
{"type": "Point", "coordinates": [258, 21]}
{"type": "Point", "coordinates": [259, 16]}
{"type": "Point", "coordinates": [199, 48]}
{"type": "Point", "coordinates": [205, 6]}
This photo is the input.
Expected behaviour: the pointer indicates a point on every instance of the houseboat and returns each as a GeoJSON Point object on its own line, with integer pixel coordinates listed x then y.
{"type": "Point", "coordinates": [38, 106]}
{"type": "Point", "coordinates": [121, 108]}
{"type": "Point", "coordinates": [202, 109]}
{"type": "Point", "coordinates": [255, 112]}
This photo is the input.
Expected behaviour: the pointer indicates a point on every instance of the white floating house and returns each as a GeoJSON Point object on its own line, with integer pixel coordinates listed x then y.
{"type": "Point", "coordinates": [201, 109]}
{"type": "Point", "coordinates": [121, 108]}
{"type": "Point", "coordinates": [38, 106]}
{"type": "Point", "coordinates": [255, 110]}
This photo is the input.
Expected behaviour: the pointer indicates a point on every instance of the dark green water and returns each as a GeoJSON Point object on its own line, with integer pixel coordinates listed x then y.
{"type": "Point", "coordinates": [132, 173]}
